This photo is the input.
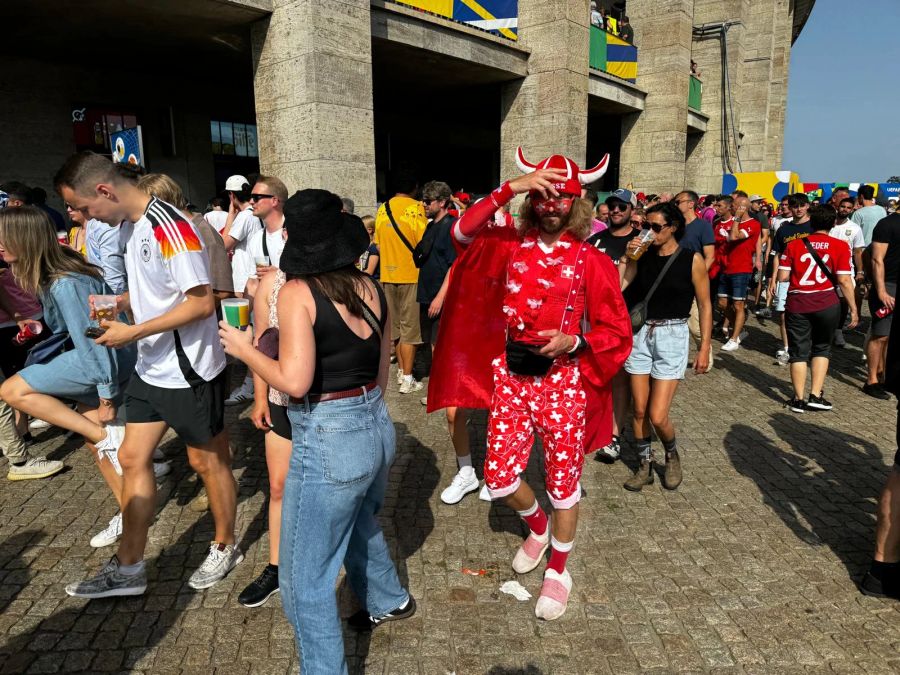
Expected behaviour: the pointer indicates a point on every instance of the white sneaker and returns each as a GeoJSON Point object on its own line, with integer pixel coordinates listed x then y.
{"type": "Point", "coordinates": [220, 560]}
{"type": "Point", "coordinates": [554, 596]}
{"type": "Point", "coordinates": [485, 494]}
{"type": "Point", "coordinates": [410, 385]}
{"type": "Point", "coordinates": [608, 454]}
{"type": "Point", "coordinates": [38, 425]}
{"type": "Point", "coordinates": [161, 469]}
{"type": "Point", "coordinates": [782, 357]}
{"type": "Point", "coordinates": [730, 346]}
{"type": "Point", "coordinates": [240, 395]}
{"type": "Point", "coordinates": [399, 376]}
{"type": "Point", "coordinates": [33, 468]}
{"type": "Point", "coordinates": [464, 482]}
{"type": "Point", "coordinates": [110, 535]}
{"type": "Point", "coordinates": [109, 446]}
{"type": "Point", "coordinates": [158, 455]}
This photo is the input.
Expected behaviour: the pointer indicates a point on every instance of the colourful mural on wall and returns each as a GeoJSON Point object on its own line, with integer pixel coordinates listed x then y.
{"type": "Point", "coordinates": [771, 185]}
{"type": "Point", "coordinates": [497, 16]}
{"type": "Point", "coordinates": [787, 183]}
{"type": "Point", "coordinates": [613, 55]}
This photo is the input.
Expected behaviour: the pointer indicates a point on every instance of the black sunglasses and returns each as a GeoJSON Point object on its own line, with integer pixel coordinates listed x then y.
{"type": "Point", "coordinates": [656, 227]}
{"type": "Point", "coordinates": [256, 197]}
{"type": "Point", "coordinates": [618, 206]}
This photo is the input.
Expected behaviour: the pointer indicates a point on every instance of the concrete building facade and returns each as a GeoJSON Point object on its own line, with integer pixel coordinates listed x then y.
{"type": "Point", "coordinates": [342, 91]}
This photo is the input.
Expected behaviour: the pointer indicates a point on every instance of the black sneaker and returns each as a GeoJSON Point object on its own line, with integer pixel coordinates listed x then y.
{"type": "Point", "coordinates": [879, 588]}
{"type": "Point", "coordinates": [818, 402]}
{"type": "Point", "coordinates": [362, 620]}
{"type": "Point", "coordinates": [796, 405]}
{"type": "Point", "coordinates": [260, 589]}
{"type": "Point", "coordinates": [876, 391]}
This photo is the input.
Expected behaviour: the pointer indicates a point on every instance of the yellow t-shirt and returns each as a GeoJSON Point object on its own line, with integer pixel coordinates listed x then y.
{"type": "Point", "coordinates": [396, 260]}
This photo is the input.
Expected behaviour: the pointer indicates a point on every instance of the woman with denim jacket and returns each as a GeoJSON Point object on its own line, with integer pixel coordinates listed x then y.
{"type": "Point", "coordinates": [333, 360]}
{"type": "Point", "coordinates": [88, 374]}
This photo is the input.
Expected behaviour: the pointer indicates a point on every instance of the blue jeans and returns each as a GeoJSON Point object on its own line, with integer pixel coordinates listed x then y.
{"type": "Point", "coordinates": [342, 453]}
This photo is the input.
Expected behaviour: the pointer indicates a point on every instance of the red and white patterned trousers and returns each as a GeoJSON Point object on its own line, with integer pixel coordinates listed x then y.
{"type": "Point", "coordinates": [553, 405]}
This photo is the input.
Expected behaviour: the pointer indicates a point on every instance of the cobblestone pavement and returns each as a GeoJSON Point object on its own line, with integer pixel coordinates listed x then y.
{"type": "Point", "coordinates": [749, 567]}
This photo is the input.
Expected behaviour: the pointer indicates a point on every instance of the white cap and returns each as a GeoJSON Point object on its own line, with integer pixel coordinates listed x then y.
{"type": "Point", "coordinates": [236, 183]}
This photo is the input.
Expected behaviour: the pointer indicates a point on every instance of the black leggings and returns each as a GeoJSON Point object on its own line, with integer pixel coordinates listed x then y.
{"type": "Point", "coordinates": [810, 335]}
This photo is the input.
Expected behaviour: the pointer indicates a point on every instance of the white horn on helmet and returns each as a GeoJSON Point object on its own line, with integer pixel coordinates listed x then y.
{"type": "Point", "coordinates": [590, 175]}
{"type": "Point", "coordinates": [524, 165]}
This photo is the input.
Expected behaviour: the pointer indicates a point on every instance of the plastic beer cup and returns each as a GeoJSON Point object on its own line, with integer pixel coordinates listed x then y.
{"type": "Point", "coordinates": [105, 307]}
{"type": "Point", "coordinates": [236, 312]}
{"type": "Point", "coordinates": [644, 239]}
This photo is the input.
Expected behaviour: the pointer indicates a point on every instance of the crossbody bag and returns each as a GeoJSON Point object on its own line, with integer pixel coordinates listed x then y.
{"type": "Point", "coordinates": [831, 276]}
{"type": "Point", "coordinates": [421, 251]}
{"type": "Point", "coordinates": [639, 311]}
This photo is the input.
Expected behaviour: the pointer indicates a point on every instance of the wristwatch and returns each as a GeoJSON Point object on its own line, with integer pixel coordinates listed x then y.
{"type": "Point", "coordinates": [106, 403]}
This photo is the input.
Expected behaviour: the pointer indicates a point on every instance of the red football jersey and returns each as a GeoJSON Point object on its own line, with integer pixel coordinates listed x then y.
{"type": "Point", "coordinates": [739, 253]}
{"type": "Point", "coordinates": [809, 290]}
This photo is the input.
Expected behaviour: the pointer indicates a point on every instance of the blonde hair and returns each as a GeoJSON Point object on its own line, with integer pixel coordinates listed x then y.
{"type": "Point", "coordinates": [163, 187]}
{"type": "Point", "coordinates": [29, 234]}
{"type": "Point", "coordinates": [368, 221]}
{"type": "Point", "coordinates": [276, 186]}
{"type": "Point", "coordinates": [578, 222]}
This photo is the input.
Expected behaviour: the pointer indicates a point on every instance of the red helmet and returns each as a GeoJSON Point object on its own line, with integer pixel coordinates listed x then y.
{"type": "Point", "coordinates": [575, 177]}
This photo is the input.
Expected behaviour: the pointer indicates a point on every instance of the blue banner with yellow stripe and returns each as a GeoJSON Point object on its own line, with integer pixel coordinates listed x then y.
{"type": "Point", "coordinates": [500, 17]}
{"type": "Point", "coordinates": [621, 58]}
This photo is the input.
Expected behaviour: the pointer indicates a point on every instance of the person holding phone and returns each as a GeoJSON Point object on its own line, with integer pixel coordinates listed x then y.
{"type": "Point", "coordinates": [87, 373]}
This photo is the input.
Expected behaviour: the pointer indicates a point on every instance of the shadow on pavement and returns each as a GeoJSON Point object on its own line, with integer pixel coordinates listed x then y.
{"type": "Point", "coordinates": [832, 503]}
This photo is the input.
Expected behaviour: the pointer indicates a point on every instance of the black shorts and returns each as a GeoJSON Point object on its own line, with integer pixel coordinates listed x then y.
{"type": "Point", "coordinates": [428, 325]}
{"type": "Point", "coordinates": [810, 335]}
{"type": "Point", "coordinates": [281, 425]}
{"type": "Point", "coordinates": [197, 414]}
{"type": "Point", "coordinates": [881, 327]}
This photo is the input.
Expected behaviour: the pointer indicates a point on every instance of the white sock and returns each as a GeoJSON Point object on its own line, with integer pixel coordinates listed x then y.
{"type": "Point", "coordinates": [463, 462]}
{"type": "Point", "coordinates": [530, 511]}
{"type": "Point", "coordinates": [132, 569]}
{"type": "Point", "coordinates": [562, 547]}
{"type": "Point", "coordinates": [408, 377]}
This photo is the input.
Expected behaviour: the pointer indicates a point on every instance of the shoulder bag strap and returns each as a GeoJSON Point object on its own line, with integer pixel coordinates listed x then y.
{"type": "Point", "coordinates": [831, 276]}
{"type": "Point", "coordinates": [265, 243]}
{"type": "Point", "coordinates": [390, 215]}
{"type": "Point", "coordinates": [660, 276]}
{"type": "Point", "coordinates": [374, 323]}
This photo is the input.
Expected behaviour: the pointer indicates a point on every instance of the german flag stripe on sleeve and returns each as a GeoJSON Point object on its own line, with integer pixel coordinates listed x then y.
{"type": "Point", "coordinates": [173, 233]}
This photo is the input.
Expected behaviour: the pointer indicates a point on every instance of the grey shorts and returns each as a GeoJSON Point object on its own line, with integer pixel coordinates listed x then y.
{"type": "Point", "coordinates": [881, 327]}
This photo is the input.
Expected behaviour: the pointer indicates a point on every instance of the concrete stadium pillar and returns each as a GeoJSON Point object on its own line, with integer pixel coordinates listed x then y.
{"type": "Point", "coordinates": [654, 142]}
{"type": "Point", "coordinates": [546, 112]}
{"type": "Point", "coordinates": [313, 85]}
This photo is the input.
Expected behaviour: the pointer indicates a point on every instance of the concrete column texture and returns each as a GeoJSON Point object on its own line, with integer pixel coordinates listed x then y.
{"type": "Point", "coordinates": [313, 85]}
{"type": "Point", "coordinates": [654, 143]}
{"type": "Point", "coordinates": [546, 112]}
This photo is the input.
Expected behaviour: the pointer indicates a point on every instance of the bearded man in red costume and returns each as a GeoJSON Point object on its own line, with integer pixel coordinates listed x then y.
{"type": "Point", "coordinates": [534, 329]}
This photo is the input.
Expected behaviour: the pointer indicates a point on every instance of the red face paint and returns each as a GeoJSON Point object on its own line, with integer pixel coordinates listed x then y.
{"type": "Point", "coordinates": [553, 206]}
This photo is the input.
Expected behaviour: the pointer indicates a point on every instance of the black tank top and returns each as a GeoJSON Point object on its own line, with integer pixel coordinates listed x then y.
{"type": "Point", "coordinates": [343, 359]}
{"type": "Point", "coordinates": [673, 297]}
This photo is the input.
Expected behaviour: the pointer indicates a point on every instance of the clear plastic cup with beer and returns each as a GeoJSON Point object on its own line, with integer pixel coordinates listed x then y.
{"type": "Point", "coordinates": [236, 312]}
{"type": "Point", "coordinates": [105, 307]}
{"type": "Point", "coordinates": [645, 238]}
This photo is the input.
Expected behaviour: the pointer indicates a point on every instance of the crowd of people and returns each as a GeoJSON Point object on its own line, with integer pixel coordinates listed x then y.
{"type": "Point", "coordinates": [118, 330]}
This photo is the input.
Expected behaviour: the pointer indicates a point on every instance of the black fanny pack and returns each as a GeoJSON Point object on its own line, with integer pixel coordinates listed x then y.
{"type": "Point", "coordinates": [522, 361]}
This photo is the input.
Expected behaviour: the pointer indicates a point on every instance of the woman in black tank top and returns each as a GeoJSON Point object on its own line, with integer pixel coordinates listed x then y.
{"type": "Point", "coordinates": [659, 353]}
{"type": "Point", "coordinates": [333, 359]}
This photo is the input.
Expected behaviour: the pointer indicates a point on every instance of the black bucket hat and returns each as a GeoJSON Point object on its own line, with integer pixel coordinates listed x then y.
{"type": "Point", "coordinates": [321, 238]}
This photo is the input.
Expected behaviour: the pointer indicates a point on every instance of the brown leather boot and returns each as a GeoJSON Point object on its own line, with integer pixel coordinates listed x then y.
{"type": "Point", "coordinates": [672, 475]}
{"type": "Point", "coordinates": [643, 476]}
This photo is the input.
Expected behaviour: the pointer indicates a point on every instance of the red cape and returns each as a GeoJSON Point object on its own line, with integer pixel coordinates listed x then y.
{"type": "Point", "coordinates": [473, 331]}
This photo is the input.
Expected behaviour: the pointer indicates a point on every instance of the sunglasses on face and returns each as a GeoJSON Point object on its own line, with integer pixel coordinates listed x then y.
{"type": "Point", "coordinates": [656, 227]}
{"type": "Point", "coordinates": [618, 207]}
{"type": "Point", "coordinates": [256, 197]}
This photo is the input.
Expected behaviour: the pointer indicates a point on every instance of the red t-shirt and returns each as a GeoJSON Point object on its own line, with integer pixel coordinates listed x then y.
{"type": "Point", "coordinates": [720, 232]}
{"type": "Point", "coordinates": [809, 289]}
{"type": "Point", "coordinates": [739, 253]}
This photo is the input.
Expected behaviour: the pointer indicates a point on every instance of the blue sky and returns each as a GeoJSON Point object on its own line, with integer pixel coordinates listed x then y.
{"type": "Point", "coordinates": [843, 113]}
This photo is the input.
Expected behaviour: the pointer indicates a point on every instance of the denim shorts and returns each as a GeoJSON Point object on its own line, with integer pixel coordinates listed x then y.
{"type": "Point", "coordinates": [69, 376]}
{"type": "Point", "coordinates": [734, 286]}
{"type": "Point", "coordinates": [660, 351]}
